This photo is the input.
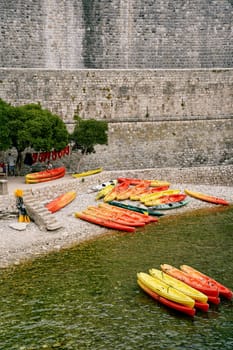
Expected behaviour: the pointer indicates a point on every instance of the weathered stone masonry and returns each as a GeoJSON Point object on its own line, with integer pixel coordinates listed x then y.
{"type": "Point", "coordinates": [160, 72]}
{"type": "Point", "coordinates": [135, 34]}
{"type": "Point", "coordinates": [157, 118]}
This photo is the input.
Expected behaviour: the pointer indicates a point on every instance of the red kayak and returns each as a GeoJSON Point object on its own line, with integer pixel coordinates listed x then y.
{"type": "Point", "coordinates": [45, 175]}
{"type": "Point", "coordinates": [157, 189]}
{"type": "Point", "coordinates": [133, 181]}
{"type": "Point", "coordinates": [104, 222]}
{"type": "Point", "coordinates": [171, 198]}
{"type": "Point", "coordinates": [171, 304]}
{"type": "Point", "coordinates": [210, 291]}
{"type": "Point", "coordinates": [223, 290]}
{"type": "Point", "coordinates": [201, 306]}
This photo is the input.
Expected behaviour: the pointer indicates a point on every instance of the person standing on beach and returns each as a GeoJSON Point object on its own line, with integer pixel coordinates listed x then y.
{"type": "Point", "coordinates": [11, 165]}
{"type": "Point", "coordinates": [49, 165]}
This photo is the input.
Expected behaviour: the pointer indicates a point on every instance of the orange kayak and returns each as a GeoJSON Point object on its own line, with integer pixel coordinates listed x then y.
{"type": "Point", "coordinates": [61, 201]}
{"type": "Point", "coordinates": [134, 181]}
{"type": "Point", "coordinates": [125, 194]}
{"type": "Point", "coordinates": [146, 218]}
{"type": "Point", "coordinates": [104, 222]}
{"type": "Point", "coordinates": [121, 219]}
{"type": "Point", "coordinates": [134, 190]}
{"type": "Point", "coordinates": [211, 291]}
{"type": "Point", "coordinates": [206, 197]}
{"type": "Point", "coordinates": [223, 290]}
{"type": "Point", "coordinates": [119, 188]}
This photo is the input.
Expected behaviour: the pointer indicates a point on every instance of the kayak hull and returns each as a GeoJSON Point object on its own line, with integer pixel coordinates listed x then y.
{"type": "Point", "coordinates": [104, 222]}
{"type": "Point", "coordinates": [210, 291]}
{"type": "Point", "coordinates": [206, 197]}
{"type": "Point", "coordinates": [46, 175]}
{"type": "Point", "coordinates": [119, 188]}
{"type": "Point", "coordinates": [136, 209]}
{"type": "Point", "coordinates": [146, 218]}
{"type": "Point", "coordinates": [168, 206]}
{"type": "Point", "coordinates": [163, 289]}
{"type": "Point", "coordinates": [170, 304]}
{"type": "Point", "coordinates": [181, 286]}
{"type": "Point", "coordinates": [135, 181]}
{"type": "Point", "coordinates": [121, 219]}
{"type": "Point", "coordinates": [173, 198]}
{"type": "Point", "coordinates": [223, 290]}
{"type": "Point", "coordinates": [61, 201]}
{"type": "Point", "coordinates": [149, 199]}
{"type": "Point", "coordinates": [88, 173]}
{"type": "Point", "coordinates": [104, 191]}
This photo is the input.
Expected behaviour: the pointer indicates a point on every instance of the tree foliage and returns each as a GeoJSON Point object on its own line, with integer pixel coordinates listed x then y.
{"type": "Point", "coordinates": [31, 126]}
{"type": "Point", "coordinates": [88, 133]}
{"type": "Point", "coordinates": [5, 112]}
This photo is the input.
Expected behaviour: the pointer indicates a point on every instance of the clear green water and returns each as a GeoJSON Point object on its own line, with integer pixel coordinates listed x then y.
{"type": "Point", "coordinates": [87, 297]}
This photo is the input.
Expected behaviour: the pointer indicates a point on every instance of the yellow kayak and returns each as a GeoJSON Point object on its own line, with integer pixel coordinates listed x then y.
{"type": "Point", "coordinates": [158, 183]}
{"type": "Point", "coordinates": [163, 289]}
{"type": "Point", "coordinates": [89, 172]}
{"type": "Point", "coordinates": [152, 196]}
{"type": "Point", "coordinates": [153, 200]}
{"type": "Point", "coordinates": [181, 286]}
{"type": "Point", "coordinates": [102, 193]}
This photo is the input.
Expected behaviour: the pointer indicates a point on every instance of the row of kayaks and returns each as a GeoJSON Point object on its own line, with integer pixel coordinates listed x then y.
{"type": "Point", "coordinates": [56, 173]}
{"type": "Point", "coordinates": [151, 193]}
{"type": "Point", "coordinates": [185, 289]}
{"type": "Point", "coordinates": [155, 194]}
{"type": "Point", "coordinates": [45, 175]}
{"type": "Point", "coordinates": [106, 215]}
{"type": "Point", "coordinates": [114, 217]}
{"type": "Point", "coordinates": [123, 216]}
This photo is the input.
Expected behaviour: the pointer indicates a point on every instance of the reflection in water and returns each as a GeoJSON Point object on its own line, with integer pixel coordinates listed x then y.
{"type": "Point", "coordinates": [87, 297]}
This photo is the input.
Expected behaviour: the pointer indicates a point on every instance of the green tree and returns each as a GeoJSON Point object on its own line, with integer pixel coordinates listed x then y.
{"type": "Point", "coordinates": [31, 126]}
{"type": "Point", "coordinates": [5, 112]}
{"type": "Point", "coordinates": [87, 134]}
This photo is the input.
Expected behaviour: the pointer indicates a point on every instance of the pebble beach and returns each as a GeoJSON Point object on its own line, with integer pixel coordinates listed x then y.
{"type": "Point", "coordinates": [18, 246]}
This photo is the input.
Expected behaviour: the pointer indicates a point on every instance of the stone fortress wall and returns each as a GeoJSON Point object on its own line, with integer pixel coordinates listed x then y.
{"type": "Point", "coordinates": [116, 34]}
{"type": "Point", "coordinates": [159, 72]}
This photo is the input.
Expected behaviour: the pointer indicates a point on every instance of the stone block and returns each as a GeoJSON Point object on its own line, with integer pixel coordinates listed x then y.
{"type": "Point", "coordinates": [3, 187]}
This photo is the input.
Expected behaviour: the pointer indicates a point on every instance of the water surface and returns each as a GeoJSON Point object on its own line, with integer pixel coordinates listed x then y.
{"type": "Point", "coordinates": [87, 297]}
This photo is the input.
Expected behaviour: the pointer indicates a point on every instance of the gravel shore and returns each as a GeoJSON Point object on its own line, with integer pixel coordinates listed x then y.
{"type": "Point", "coordinates": [18, 246]}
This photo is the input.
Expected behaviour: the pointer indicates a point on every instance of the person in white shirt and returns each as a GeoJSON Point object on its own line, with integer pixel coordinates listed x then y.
{"type": "Point", "coordinates": [49, 165]}
{"type": "Point", "coordinates": [11, 165]}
